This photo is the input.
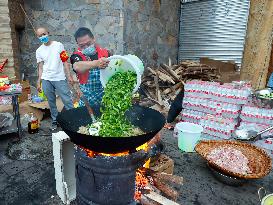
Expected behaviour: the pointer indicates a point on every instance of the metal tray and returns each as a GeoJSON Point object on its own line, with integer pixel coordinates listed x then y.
{"type": "Point", "coordinates": [229, 180]}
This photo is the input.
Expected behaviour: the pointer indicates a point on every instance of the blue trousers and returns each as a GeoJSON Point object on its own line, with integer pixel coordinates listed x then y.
{"type": "Point", "coordinates": [51, 88]}
{"type": "Point", "coordinates": [270, 81]}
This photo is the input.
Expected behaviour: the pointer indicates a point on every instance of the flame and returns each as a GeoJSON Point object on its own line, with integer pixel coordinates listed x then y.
{"type": "Point", "coordinates": [140, 184]}
{"type": "Point", "coordinates": [93, 154]}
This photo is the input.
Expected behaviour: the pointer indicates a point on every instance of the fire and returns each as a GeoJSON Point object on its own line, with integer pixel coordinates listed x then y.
{"type": "Point", "coordinates": [92, 154]}
{"type": "Point", "coordinates": [141, 184]}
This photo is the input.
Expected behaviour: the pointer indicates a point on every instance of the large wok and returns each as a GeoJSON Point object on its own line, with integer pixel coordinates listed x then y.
{"type": "Point", "coordinates": [147, 119]}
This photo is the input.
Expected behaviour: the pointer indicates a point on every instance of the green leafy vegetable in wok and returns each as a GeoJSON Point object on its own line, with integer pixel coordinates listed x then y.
{"type": "Point", "coordinates": [116, 100]}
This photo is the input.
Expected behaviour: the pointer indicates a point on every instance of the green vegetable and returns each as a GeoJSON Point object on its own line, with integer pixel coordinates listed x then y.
{"type": "Point", "coordinates": [116, 100]}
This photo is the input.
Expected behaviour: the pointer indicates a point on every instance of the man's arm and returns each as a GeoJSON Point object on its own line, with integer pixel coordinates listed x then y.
{"type": "Point", "coordinates": [82, 66]}
{"type": "Point", "coordinates": [67, 72]}
{"type": "Point", "coordinates": [40, 71]}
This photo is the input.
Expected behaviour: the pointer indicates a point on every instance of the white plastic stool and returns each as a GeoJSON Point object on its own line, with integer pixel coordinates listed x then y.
{"type": "Point", "coordinates": [64, 164]}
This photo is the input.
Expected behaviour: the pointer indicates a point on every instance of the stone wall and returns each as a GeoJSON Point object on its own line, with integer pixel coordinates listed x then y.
{"type": "Point", "coordinates": [145, 28]}
{"type": "Point", "coordinates": [151, 29]}
{"type": "Point", "coordinates": [6, 50]}
{"type": "Point", "coordinates": [63, 18]}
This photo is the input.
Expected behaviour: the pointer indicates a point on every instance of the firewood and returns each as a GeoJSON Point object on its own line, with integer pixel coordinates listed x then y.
{"type": "Point", "coordinates": [175, 67]}
{"type": "Point", "coordinates": [146, 201]}
{"type": "Point", "coordinates": [179, 70]}
{"type": "Point", "coordinates": [192, 69]}
{"type": "Point", "coordinates": [151, 70]}
{"type": "Point", "coordinates": [168, 178]}
{"type": "Point", "coordinates": [164, 71]}
{"type": "Point", "coordinates": [170, 71]}
{"type": "Point", "coordinates": [163, 176]}
{"type": "Point", "coordinates": [165, 77]}
{"type": "Point", "coordinates": [159, 98]}
{"type": "Point", "coordinates": [169, 90]}
{"type": "Point", "coordinates": [160, 199]}
{"type": "Point", "coordinates": [167, 190]}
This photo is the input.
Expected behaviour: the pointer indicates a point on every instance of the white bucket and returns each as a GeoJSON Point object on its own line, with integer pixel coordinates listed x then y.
{"type": "Point", "coordinates": [121, 64]}
{"type": "Point", "coordinates": [188, 135]}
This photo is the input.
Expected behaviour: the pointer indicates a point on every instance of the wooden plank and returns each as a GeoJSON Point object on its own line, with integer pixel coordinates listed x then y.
{"type": "Point", "coordinates": [160, 199]}
{"type": "Point", "coordinates": [151, 70]}
{"type": "Point", "coordinates": [170, 71]}
{"type": "Point", "coordinates": [165, 77]}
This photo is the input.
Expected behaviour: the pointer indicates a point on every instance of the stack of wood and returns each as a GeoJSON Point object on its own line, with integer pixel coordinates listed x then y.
{"type": "Point", "coordinates": [159, 190]}
{"type": "Point", "coordinates": [162, 84]}
{"type": "Point", "coordinates": [157, 186]}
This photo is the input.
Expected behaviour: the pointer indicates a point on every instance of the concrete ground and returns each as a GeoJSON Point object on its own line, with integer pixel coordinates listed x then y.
{"type": "Point", "coordinates": [27, 175]}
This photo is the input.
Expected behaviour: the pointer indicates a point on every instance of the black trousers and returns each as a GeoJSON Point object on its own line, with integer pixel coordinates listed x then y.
{"type": "Point", "coordinates": [176, 107]}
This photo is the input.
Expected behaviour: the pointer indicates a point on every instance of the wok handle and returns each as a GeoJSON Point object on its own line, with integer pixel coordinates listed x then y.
{"type": "Point", "coordinates": [156, 149]}
{"type": "Point", "coordinates": [265, 130]}
{"type": "Point", "coordinates": [259, 193]}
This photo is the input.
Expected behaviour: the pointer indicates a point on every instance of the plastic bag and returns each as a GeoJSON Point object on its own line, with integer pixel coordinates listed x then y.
{"type": "Point", "coordinates": [6, 119]}
{"type": "Point", "coordinates": [24, 121]}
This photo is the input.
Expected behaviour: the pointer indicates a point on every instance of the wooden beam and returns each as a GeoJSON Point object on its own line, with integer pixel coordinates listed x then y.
{"type": "Point", "coordinates": [258, 43]}
{"type": "Point", "coordinates": [160, 199]}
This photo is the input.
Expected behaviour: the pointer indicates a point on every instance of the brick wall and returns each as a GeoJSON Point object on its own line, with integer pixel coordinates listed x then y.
{"type": "Point", "coordinates": [17, 24]}
{"type": "Point", "coordinates": [6, 50]}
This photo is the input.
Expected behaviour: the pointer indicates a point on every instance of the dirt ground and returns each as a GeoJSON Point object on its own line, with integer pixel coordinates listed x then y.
{"type": "Point", "coordinates": [27, 174]}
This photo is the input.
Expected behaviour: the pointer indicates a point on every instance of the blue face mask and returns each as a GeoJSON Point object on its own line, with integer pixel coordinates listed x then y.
{"type": "Point", "coordinates": [90, 50]}
{"type": "Point", "coordinates": [44, 39]}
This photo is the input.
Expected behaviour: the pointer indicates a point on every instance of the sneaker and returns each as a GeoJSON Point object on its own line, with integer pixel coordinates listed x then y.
{"type": "Point", "coordinates": [53, 126]}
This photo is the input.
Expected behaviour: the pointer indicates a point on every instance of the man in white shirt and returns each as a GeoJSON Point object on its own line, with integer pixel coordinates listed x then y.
{"type": "Point", "coordinates": [51, 73]}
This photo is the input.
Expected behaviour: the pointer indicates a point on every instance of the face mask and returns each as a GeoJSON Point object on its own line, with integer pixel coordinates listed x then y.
{"type": "Point", "coordinates": [89, 51]}
{"type": "Point", "coordinates": [44, 39]}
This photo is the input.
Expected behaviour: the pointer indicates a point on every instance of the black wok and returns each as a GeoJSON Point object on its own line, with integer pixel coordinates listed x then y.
{"type": "Point", "coordinates": [147, 119]}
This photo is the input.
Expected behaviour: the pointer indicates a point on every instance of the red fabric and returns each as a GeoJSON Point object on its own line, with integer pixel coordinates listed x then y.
{"type": "Point", "coordinates": [64, 56]}
{"type": "Point", "coordinates": [83, 77]}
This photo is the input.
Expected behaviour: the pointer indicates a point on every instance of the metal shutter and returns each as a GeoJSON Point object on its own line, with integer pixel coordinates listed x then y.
{"type": "Point", "coordinates": [213, 28]}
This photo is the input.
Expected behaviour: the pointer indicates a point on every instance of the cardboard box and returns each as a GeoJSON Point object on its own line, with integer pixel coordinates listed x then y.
{"type": "Point", "coordinates": [228, 77]}
{"type": "Point", "coordinates": [220, 65]}
{"type": "Point", "coordinates": [44, 105]}
{"type": "Point", "coordinates": [227, 70]}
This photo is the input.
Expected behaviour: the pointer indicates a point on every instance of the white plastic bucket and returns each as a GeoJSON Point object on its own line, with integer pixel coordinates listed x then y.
{"type": "Point", "coordinates": [188, 135]}
{"type": "Point", "coordinates": [121, 64]}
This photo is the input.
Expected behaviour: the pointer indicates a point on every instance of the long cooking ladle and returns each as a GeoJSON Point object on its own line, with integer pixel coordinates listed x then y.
{"type": "Point", "coordinates": [77, 92]}
{"type": "Point", "coordinates": [253, 135]}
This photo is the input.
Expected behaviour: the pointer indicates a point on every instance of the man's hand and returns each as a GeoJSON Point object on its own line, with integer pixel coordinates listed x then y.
{"type": "Point", "coordinates": [39, 86]}
{"type": "Point", "coordinates": [102, 63]}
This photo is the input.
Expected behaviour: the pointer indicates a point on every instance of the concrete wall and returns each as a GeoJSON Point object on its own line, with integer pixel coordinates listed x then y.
{"type": "Point", "coordinates": [151, 29]}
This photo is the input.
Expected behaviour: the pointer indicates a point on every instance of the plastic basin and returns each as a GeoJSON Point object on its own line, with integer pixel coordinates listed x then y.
{"type": "Point", "coordinates": [120, 63]}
